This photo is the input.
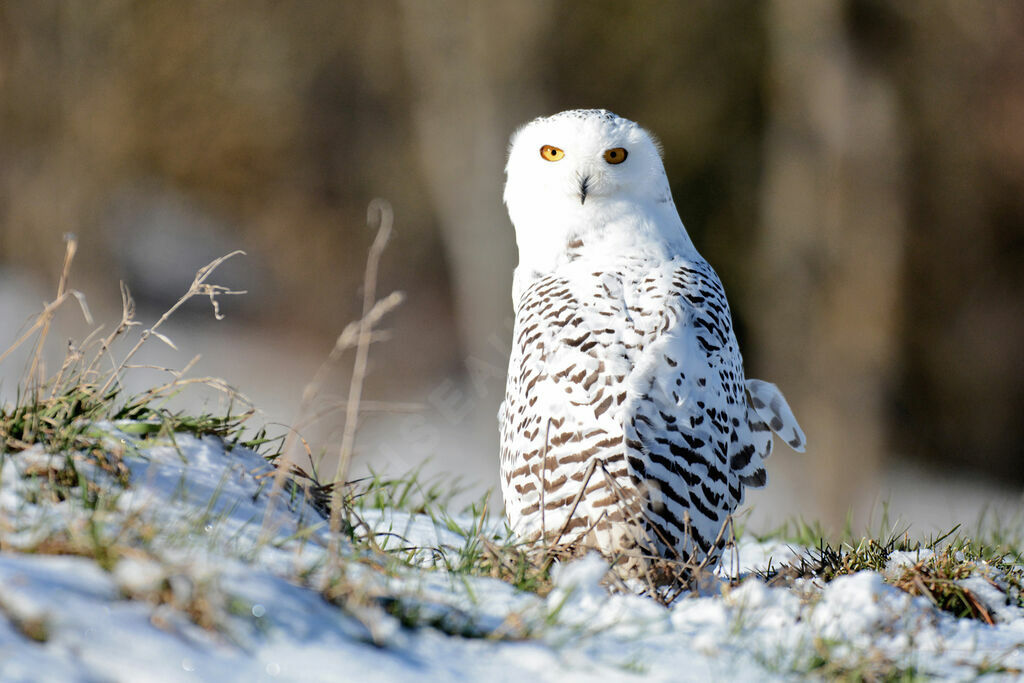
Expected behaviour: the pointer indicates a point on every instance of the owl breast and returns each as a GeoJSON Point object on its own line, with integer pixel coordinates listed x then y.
{"type": "Point", "coordinates": [626, 425]}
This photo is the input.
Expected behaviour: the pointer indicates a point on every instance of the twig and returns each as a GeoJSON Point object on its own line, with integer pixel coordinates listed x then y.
{"type": "Point", "coordinates": [346, 340]}
{"type": "Point", "coordinates": [127, 321]}
{"type": "Point", "coordinates": [544, 482]}
{"type": "Point", "coordinates": [199, 287]}
{"type": "Point", "coordinates": [617, 490]}
{"type": "Point", "coordinates": [69, 255]}
{"type": "Point", "coordinates": [359, 335]}
{"type": "Point", "coordinates": [46, 316]}
{"type": "Point", "coordinates": [385, 216]}
{"type": "Point", "coordinates": [591, 468]}
{"type": "Point", "coordinates": [337, 405]}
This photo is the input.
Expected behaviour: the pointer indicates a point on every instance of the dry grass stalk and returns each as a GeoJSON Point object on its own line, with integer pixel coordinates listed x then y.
{"type": "Point", "coordinates": [44, 319]}
{"type": "Point", "coordinates": [665, 578]}
{"type": "Point", "coordinates": [385, 217]}
{"type": "Point", "coordinates": [359, 335]}
{"type": "Point", "coordinates": [71, 247]}
{"type": "Point", "coordinates": [81, 388]}
{"type": "Point", "coordinates": [591, 468]}
{"type": "Point", "coordinates": [127, 322]}
{"type": "Point", "coordinates": [544, 482]}
{"type": "Point", "coordinates": [199, 287]}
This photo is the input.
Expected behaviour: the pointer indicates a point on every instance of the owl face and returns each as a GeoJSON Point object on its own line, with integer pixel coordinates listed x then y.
{"type": "Point", "coordinates": [582, 157]}
{"type": "Point", "coordinates": [587, 177]}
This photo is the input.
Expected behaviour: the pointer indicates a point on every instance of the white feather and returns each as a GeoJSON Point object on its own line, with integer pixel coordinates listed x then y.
{"type": "Point", "coordinates": [624, 361]}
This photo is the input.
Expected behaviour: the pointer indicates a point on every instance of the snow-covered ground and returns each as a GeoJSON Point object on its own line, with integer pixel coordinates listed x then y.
{"type": "Point", "coordinates": [455, 432]}
{"type": "Point", "coordinates": [204, 583]}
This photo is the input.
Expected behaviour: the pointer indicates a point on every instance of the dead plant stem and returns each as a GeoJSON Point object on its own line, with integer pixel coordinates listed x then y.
{"type": "Point", "coordinates": [199, 287]}
{"type": "Point", "coordinates": [385, 217]}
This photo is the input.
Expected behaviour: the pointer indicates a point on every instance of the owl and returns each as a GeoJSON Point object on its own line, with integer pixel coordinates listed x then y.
{"type": "Point", "coordinates": [628, 425]}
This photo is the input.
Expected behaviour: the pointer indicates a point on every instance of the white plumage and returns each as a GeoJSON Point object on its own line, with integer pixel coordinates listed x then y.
{"type": "Point", "coordinates": [627, 424]}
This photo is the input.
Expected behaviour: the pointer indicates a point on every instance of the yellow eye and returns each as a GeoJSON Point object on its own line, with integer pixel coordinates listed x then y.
{"type": "Point", "coordinates": [551, 153]}
{"type": "Point", "coordinates": [615, 155]}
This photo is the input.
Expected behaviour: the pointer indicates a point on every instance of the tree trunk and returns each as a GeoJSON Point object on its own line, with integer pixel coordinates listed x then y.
{"type": "Point", "coordinates": [830, 254]}
{"type": "Point", "coordinates": [469, 98]}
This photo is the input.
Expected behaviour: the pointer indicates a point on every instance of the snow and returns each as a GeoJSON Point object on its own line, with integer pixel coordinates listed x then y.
{"type": "Point", "coordinates": [901, 560]}
{"type": "Point", "coordinates": [210, 585]}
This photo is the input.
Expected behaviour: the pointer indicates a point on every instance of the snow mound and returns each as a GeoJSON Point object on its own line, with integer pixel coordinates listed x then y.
{"type": "Point", "coordinates": [207, 581]}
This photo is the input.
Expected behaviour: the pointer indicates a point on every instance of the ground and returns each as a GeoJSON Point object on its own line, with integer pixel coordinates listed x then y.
{"type": "Point", "coordinates": [171, 566]}
{"type": "Point", "coordinates": [138, 543]}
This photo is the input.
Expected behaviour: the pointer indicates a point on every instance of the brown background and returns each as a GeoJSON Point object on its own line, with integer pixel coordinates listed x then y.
{"type": "Point", "coordinates": [854, 170]}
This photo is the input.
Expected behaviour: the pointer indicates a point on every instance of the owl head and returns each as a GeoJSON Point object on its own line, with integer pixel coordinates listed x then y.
{"type": "Point", "coordinates": [585, 173]}
{"type": "Point", "coordinates": [582, 155]}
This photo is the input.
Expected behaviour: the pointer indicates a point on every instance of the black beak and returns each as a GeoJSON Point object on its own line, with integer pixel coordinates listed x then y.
{"type": "Point", "coordinates": [583, 189]}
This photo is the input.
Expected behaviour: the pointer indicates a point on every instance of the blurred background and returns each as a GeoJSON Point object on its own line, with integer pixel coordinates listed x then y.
{"type": "Point", "coordinates": [853, 169]}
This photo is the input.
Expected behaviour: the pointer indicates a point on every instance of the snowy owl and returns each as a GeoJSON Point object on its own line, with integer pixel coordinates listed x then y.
{"type": "Point", "coordinates": [627, 425]}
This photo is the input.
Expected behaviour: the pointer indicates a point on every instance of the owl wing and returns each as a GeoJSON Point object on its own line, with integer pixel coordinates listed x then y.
{"type": "Point", "coordinates": [770, 405]}
{"type": "Point", "coordinates": [691, 433]}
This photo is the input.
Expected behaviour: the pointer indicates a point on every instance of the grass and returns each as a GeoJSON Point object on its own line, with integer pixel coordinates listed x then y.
{"type": "Point", "coordinates": [61, 431]}
{"type": "Point", "coordinates": [69, 434]}
{"type": "Point", "coordinates": [871, 666]}
{"type": "Point", "coordinates": [60, 414]}
{"type": "Point", "coordinates": [484, 547]}
{"type": "Point", "coordinates": [941, 564]}
{"type": "Point", "coordinates": [65, 437]}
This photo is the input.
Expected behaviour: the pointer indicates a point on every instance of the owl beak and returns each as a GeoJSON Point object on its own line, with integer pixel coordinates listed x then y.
{"type": "Point", "coordinates": [584, 182]}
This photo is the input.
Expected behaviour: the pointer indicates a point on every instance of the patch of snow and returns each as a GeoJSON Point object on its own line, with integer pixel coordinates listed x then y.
{"type": "Point", "coordinates": [227, 587]}
{"type": "Point", "coordinates": [905, 559]}
{"type": "Point", "coordinates": [857, 608]}
{"type": "Point", "coordinates": [135, 575]}
{"type": "Point", "coordinates": [752, 556]}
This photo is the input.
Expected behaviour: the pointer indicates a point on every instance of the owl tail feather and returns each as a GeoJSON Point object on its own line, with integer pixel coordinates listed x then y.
{"type": "Point", "coordinates": [770, 405]}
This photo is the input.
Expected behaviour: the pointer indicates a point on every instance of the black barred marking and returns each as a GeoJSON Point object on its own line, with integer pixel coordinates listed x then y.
{"type": "Point", "coordinates": [665, 537]}
{"type": "Point", "coordinates": [693, 441]}
{"type": "Point", "coordinates": [712, 497]}
{"type": "Point", "coordinates": [691, 456]}
{"type": "Point", "coordinates": [742, 458]}
{"type": "Point", "coordinates": [670, 492]}
{"type": "Point", "coordinates": [555, 484]}
{"type": "Point", "coordinates": [758, 478]}
{"type": "Point", "coordinates": [609, 443]}
{"type": "Point", "coordinates": [638, 466]}
{"type": "Point", "coordinates": [702, 507]}
{"type": "Point", "coordinates": [674, 435]}
{"type": "Point", "coordinates": [527, 487]}
{"type": "Point", "coordinates": [735, 492]}
{"type": "Point", "coordinates": [578, 523]}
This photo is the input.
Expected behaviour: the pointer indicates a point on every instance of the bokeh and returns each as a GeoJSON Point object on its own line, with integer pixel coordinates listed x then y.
{"type": "Point", "coordinates": [854, 170]}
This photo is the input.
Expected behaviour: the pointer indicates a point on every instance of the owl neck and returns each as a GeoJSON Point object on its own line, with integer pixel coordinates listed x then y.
{"type": "Point", "coordinates": [601, 235]}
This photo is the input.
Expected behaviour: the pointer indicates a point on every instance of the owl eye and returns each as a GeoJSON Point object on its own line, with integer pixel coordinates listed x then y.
{"type": "Point", "coordinates": [550, 153]}
{"type": "Point", "coordinates": [616, 155]}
